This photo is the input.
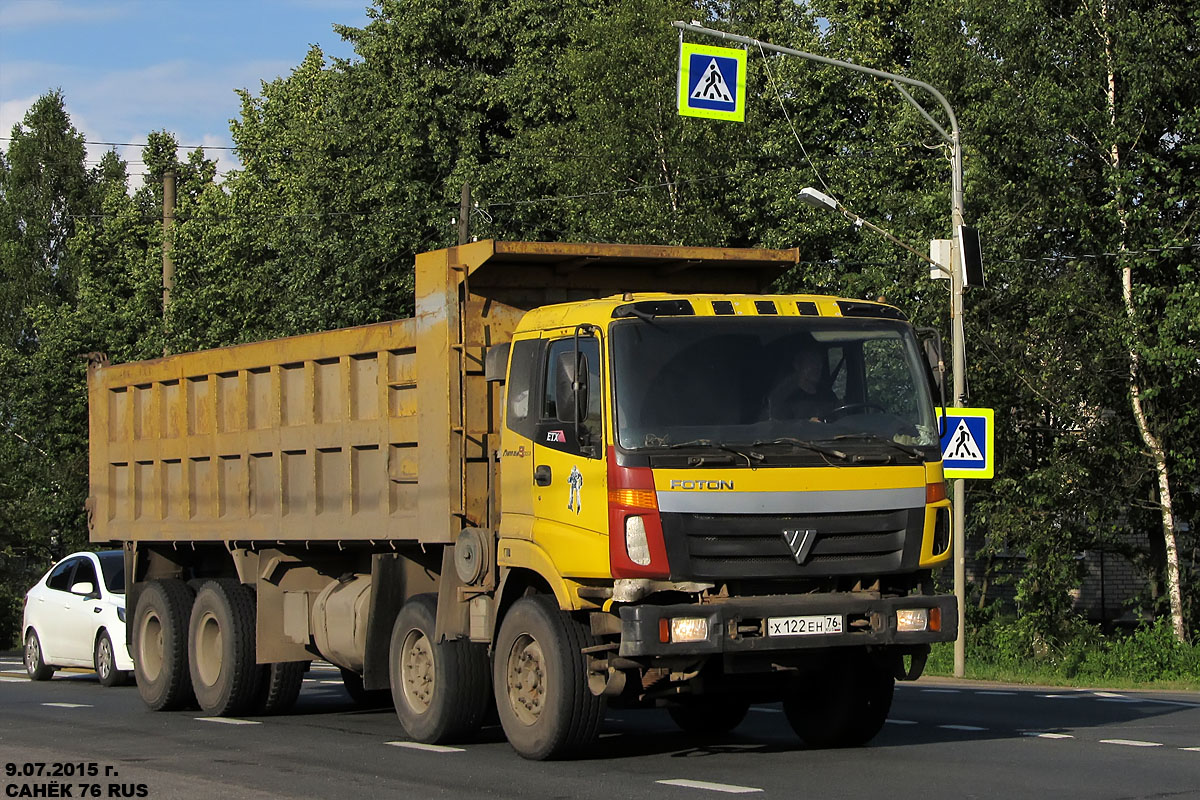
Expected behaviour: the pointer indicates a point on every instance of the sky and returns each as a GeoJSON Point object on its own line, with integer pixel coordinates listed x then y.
{"type": "Point", "coordinates": [129, 67]}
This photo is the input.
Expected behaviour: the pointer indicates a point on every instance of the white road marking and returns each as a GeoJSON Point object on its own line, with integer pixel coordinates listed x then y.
{"type": "Point", "coordinates": [1131, 742]}
{"type": "Point", "coordinates": [429, 748]}
{"type": "Point", "coordinates": [942, 691]}
{"type": "Point", "coordinates": [1072, 696]}
{"type": "Point", "coordinates": [1046, 735]}
{"type": "Point", "coordinates": [68, 705]}
{"type": "Point", "coordinates": [969, 728]}
{"type": "Point", "coordinates": [228, 720]}
{"type": "Point", "coordinates": [1191, 749]}
{"type": "Point", "coordinates": [728, 788]}
{"type": "Point", "coordinates": [767, 710]}
{"type": "Point", "coordinates": [996, 694]}
{"type": "Point", "coordinates": [901, 721]}
{"type": "Point", "coordinates": [13, 680]}
{"type": "Point", "coordinates": [333, 683]}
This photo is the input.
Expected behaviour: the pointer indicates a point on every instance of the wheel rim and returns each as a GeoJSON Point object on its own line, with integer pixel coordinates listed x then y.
{"type": "Point", "coordinates": [104, 659]}
{"type": "Point", "coordinates": [33, 653]}
{"type": "Point", "coordinates": [210, 642]}
{"type": "Point", "coordinates": [150, 646]}
{"type": "Point", "coordinates": [417, 671]}
{"type": "Point", "coordinates": [526, 675]}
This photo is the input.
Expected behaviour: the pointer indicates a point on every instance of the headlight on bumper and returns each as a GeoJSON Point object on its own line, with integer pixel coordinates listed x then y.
{"type": "Point", "coordinates": [917, 620]}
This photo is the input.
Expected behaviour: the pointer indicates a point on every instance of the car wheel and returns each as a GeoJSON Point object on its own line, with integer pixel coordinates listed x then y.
{"type": "Point", "coordinates": [105, 659]}
{"type": "Point", "coordinates": [35, 664]}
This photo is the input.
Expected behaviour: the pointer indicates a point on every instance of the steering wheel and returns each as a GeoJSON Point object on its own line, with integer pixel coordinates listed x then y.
{"type": "Point", "coordinates": [854, 408]}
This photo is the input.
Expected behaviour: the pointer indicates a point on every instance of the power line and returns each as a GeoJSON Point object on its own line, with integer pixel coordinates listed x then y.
{"type": "Point", "coordinates": [145, 144]}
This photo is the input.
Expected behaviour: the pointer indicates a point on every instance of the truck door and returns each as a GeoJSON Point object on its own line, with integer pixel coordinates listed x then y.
{"type": "Point", "coordinates": [570, 476]}
{"type": "Point", "coordinates": [521, 416]}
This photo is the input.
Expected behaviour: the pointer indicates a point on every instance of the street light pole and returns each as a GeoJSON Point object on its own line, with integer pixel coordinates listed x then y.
{"type": "Point", "coordinates": [957, 342]}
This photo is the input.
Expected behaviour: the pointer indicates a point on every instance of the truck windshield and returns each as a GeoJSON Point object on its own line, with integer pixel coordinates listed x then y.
{"type": "Point", "coordinates": [751, 380]}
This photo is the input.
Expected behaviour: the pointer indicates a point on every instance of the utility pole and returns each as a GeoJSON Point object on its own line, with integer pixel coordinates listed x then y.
{"type": "Point", "coordinates": [168, 243]}
{"type": "Point", "coordinates": [464, 215]}
{"type": "Point", "coordinates": [957, 277]}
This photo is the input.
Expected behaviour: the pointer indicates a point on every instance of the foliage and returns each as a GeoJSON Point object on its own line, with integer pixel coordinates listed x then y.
{"type": "Point", "coordinates": [1080, 654]}
{"type": "Point", "coordinates": [561, 117]}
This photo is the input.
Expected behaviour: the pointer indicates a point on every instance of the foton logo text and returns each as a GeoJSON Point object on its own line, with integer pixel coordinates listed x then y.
{"type": "Point", "coordinates": [714, 486]}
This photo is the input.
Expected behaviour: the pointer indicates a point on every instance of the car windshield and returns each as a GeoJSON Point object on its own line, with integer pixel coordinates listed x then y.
{"type": "Point", "coordinates": [112, 564]}
{"type": "Point", "coordinates": [755, 380]}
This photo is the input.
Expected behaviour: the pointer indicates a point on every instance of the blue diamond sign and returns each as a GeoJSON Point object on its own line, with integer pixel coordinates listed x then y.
{"type": "Point", "coordinates": [969, 443]}
{"type": "Point", "coordinates": [712, 82]}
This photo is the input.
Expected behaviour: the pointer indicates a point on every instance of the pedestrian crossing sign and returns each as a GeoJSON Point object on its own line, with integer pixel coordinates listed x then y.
{"type": "Point", "coordinates": [968, 443]}
{"type": "Point", "coordinates": [712, 82]}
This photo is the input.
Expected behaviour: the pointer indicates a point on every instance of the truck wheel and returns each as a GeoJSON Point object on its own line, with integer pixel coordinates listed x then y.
{"type": "Point", "coordinates": [279, 686]}
{"type": "Point", "coordinates": [710, 716]}
{"type": "Point", "coordinates": [221, 648]}
{"type": "Point", "coordinates": [540, 679]}
{"type": "Point", "coordinates": [440, 689]}
{"type": "Point", "coordinates": [844, 705]}
{"type": "Point", "coordinates": [105, 662]}
{"type": "Point", "coordinates": [160, 652]}
{"type": "Point", "coordinates": [35, 662]}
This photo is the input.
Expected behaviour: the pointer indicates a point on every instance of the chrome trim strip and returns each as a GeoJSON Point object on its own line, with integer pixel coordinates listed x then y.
{"type": "Point", "coordinates": [718, 502]}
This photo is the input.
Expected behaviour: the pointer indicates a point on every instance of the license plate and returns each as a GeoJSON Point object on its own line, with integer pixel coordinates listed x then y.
{"type": "Point", "coordinates": [813, 625]}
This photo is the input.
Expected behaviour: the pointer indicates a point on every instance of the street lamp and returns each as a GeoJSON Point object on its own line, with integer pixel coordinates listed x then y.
{"type": "Point", "coordinates": [811, 197]}
{"type": "Point", "coordinates": [957, 344]}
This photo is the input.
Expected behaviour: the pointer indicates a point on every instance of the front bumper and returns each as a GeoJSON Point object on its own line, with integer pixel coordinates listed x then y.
{"type": "Point", "coordinates": [738, 625]}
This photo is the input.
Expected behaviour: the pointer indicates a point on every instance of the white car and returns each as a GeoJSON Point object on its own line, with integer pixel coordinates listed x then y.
{"type": "Point", "coordinates": [75, 617]}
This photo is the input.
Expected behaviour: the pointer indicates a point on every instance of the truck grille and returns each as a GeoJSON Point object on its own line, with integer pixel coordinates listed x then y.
{"type": "Point", "coordinates": [736, 546]}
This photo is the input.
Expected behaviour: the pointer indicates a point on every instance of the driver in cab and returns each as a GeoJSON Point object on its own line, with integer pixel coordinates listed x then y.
{"type": "Point", "coordinates": [802, 392]}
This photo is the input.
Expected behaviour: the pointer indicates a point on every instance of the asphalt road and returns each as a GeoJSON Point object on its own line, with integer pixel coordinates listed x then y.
{"type": "Point", "coordinates": [943, 740]}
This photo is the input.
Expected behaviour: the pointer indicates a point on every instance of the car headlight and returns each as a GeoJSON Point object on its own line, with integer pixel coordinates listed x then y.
{"type": "Point", "coordinates": [121, 613]}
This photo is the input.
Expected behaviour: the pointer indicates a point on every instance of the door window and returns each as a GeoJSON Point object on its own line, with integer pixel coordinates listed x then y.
{"type": "Point", "coordinates": [60, 578]}
{"type": "Point", "coordinates": [554, 432]}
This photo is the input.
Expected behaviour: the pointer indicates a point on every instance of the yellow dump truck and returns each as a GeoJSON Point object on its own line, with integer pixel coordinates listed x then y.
{"type": "Point", "coordinates": [555, 488]}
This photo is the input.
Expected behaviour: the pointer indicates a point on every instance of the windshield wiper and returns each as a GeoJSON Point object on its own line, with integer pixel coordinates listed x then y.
{"type": "Point", "coordinates": [804, 445]}
{"type": "Point", "coordinates": [750, 455]}
{"type": "Point", "coordinates": [875, 438]}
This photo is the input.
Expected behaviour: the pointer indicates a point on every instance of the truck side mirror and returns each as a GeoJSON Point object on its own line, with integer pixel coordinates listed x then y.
{"type": "Point", "coordinates": [931, 343]}
{"type": "Point", "coordinates": [495, 363]}
{"type": "Point", "coordinates": [567, 388]}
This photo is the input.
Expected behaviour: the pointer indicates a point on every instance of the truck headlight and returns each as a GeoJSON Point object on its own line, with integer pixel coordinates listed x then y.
{"type": "Point", "coordinates": [915, 620]}
{"type": "Point", "coordinates": [689, 629]}
{"type": "Point", "coordinates": [636, 544]}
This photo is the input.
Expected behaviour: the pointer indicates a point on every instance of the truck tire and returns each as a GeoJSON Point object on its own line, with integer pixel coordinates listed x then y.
{"type": "Point", "coordinates": [710, 715]}
{"type": "Point", "coordinates": [160, 651]}
{"type": "Point", "coordinates": [540, 679]}
{"type": "Point", "coordinates": [440, 689]}
{"type": "Point", "coordinates": [221, 648]}
{"type": "Point", "coordinates": [279, 686]}
{"type": "Point", "coordinates": [845, 705]}
{"type": "Point", "coordinates": [35, 662]}
{"type": "Point", "coordinates": [104, 659]}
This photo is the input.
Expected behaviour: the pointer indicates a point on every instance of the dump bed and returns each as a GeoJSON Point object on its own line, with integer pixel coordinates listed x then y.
{"type": "Point", "coordinates": [379, 432]}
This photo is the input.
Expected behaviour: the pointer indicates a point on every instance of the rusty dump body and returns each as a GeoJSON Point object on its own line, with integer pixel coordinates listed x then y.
{"type": "Point", "coordinates": [379, 432]}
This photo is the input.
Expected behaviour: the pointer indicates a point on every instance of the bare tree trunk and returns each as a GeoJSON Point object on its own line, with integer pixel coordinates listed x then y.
{"type": "Point", "coordinates": [1153, 444]}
